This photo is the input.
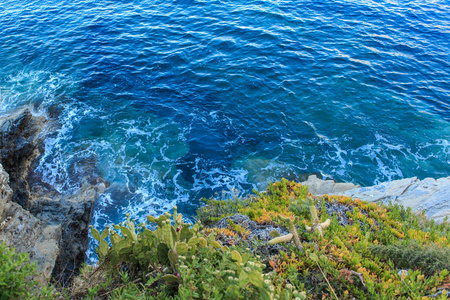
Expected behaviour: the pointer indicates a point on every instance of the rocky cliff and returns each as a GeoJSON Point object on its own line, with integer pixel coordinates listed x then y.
{"type": "Point", "coordinates": [50, 226]}
{"type": "Point", "coordinates": [429, 195]}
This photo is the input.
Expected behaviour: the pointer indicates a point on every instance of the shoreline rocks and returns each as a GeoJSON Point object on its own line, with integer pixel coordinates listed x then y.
{"type": "Point", "coordinates": [317, 186]}
{"type": "Point", "coordinates": [429, 195]}
{"type": "Point", "coordinates": [50, 226]}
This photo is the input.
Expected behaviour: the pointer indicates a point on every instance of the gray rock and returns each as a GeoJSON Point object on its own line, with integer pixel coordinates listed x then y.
{"type": "Point", "coordinates": [5, 190]}
{"type": "Point", "coordinates": [51, 227]}
{"type": "Point", "coordinates": [73, 212]}
{"type": "Point", "coordinates": [26, 233]}
{"type": "Point", "coordinates": [429, 195]}
{"type": "Point", "coordinates": [21, 136]}
{"type": "Point", "coordinates": [258, 232]}
{"type": "Point", "coordinates": [318, 186]}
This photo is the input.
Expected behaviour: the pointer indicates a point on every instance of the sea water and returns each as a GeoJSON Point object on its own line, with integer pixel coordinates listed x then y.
{"type": "Point", "coordinates": [171, 101]}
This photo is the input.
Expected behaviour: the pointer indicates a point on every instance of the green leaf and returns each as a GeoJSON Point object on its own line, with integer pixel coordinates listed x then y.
{"type": "Point", "coordinates": [137, 248]}
{"type": "Point", "coordinates": [160, 220]}
{"type": "Point", "coordinates": [235, 256]}
{"type": "Point", "coordinates": [163, 251]}
{"type": "Point", "coordinates": [169, 278]}
{"type": "Point", "coordinates": [193, 241]}
{"type": "Point", "coordinates": [313, 257]}
{"type": "Point", "coordinates": [243, 279]}
{"type": "Point", "coordinates": [174, 236]}
{"type": "Point", "coordinates": [185, 233]}
{"type": "Point", "coordinates": [151, 219]}
{"type": "Point", "coordinates": [103, 248]}
{"type": "Point", "coordinates": [180, 219]}
{"type": "Point", "coordinates": [95, 234]}
{"type": "Point", "coordinates": [114, 257]}
{"type": "Point", "coordinates": [168, 235]}
{"type": "Point", "coordinates": [181, 248]}
{"type": "Point", "coordinates": [123, 246]}
{"type": "Point", "coordinates": [173, 256]}
{"type": "Point", "coordinates": [149, 235]}
{"type": "Point", "coordinates": [105, 233]}
{"type": "Point", "coordinates": [274, 234]}
{"type": "Point", "coordinates": [215, 244]}
{"type": "Point", "coordinates": [126, 232]}
{"type": "Point", "coordinates": [115, 239]}
{"type": "Point", "coordinates": [256, 279]}
{"type": "Point", "coordinates": [264, 294]}
{"type": "Point", "coordinates": [233, 292]}
{"type": "Point", "coordinates": [202, 242]}
{"type": "Point", "coordinates": [245, 257]}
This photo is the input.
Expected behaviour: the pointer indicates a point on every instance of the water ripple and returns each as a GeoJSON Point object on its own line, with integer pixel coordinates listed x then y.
{"type": "Point", "coordinates": [176, 100]}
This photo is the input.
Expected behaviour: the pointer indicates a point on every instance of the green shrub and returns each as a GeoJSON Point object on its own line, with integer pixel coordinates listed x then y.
{"type": "Point", "coordinates": [182, 261]}
{"type": "Point", "coordinates": [368, 251]}
{"type": "Point", "coordinates": [15, 274]}
{"type": "Point", "coordinates": [428, 259]}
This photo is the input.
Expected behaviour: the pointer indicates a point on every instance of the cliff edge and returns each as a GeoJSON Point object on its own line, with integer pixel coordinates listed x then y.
{"type": "Point", "coordinates": [431, 196]}
{"type": "Point", "coordinates": [51, 227]}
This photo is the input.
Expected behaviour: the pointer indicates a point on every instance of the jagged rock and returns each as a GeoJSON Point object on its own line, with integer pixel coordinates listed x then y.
{"type": "Point", "coordinates": [318, 186]}
{"type": "Point", "coordinates": [257, 231]}
{"type": "Point", "coordinates": [429, 195]}
{"type": "Point", "coordinates": [5, 190]}
{"type": "Point", "coordinates": [26, 233]}
{"type": "Point", "coordinates": [50, 226]}
{"type": "Point", "coordinates": [382, 192]}
{"type": "Point", "coordinates": [21, 136]}
{"type": "Point", "coordinates": [73, 211]}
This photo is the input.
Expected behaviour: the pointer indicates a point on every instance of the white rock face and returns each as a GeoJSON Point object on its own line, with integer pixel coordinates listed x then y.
{"type": "Point", "coordinates": [318, 186]}
{"type": "Point", "coordinates": [429, 195]}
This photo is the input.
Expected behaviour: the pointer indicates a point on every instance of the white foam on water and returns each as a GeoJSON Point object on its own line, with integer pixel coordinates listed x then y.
{"type": "Point", "coordinates": [343, 159]}
{"type": "Point", "coordinates": [59, 149]}
{"type": "Point", "coordinates": [37, 87]}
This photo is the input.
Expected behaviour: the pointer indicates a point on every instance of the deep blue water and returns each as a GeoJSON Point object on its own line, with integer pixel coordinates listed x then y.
{"type": "Point", "coordinates": [171, 101]}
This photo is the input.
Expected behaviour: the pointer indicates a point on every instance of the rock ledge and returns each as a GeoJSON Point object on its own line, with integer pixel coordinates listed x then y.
{"type": "Point", "coordinates": [429, 195]}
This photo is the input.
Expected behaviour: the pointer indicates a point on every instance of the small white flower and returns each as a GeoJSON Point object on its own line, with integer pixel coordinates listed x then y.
{"type": "Point", "coordinates": [267, 281]}
{"type": "Point", "coordinates": [247, 269]}
{"type": "Point", "coordinates": [289, 286]}
{"type": "Point", "coordinates": [271, 288]}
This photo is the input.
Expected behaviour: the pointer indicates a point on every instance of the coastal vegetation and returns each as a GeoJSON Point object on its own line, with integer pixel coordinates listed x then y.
{"type": "Point", "coordinates": [283, 243]}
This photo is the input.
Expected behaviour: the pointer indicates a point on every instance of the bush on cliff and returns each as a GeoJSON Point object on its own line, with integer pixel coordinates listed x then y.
{"type": "Point", "coordinates": [336, 248]}
{"type": "Point", "coordinates": [16, 277]}
{"type": "Point", "coordinates": [15, 273]}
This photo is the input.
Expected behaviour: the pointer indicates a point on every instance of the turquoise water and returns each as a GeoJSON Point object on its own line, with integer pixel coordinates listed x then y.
{"type": "Point", "coordinates": [171, 101]}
